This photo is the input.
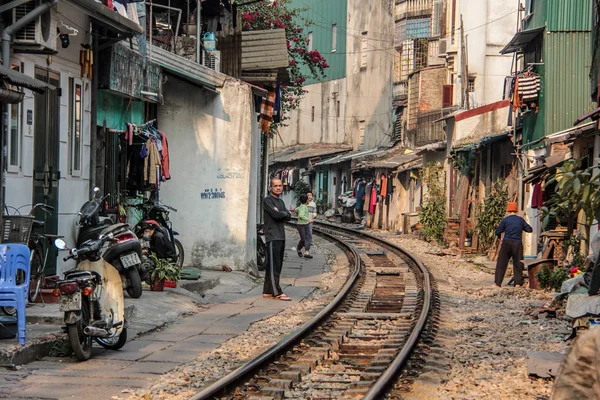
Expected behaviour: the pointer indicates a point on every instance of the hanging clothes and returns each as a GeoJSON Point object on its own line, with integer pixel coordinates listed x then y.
{"type": "Point", "coordinates": [373, 201]}
{"type": "Point", "coordinates": [537, 197]}
{"type": "Point", "coordinates": [367, 202]}
{"type": "Point", "coordinates": [529, 88]}
{"type": "Point", "coordinates": [150, 163]}
{"type": "Point", "coordinates": [266, 111]}
{"type": "Point", "coordinates": [165, 157]}
{"type": "Point", "coordinates": [360, 196]}
{"type": "Point", "coordinates": [383, 186]}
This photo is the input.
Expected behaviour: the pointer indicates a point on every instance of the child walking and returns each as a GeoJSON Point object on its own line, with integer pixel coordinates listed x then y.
{"type": "Point", "coordinates": [304, 228]}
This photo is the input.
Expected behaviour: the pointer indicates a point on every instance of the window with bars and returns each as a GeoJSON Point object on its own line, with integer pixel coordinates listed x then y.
{"type": "Point", "coordinates": [14, 132]}
{"type": "Point", "coordinates": [333, 38]}
{"type": "Point", "coordinates": [361, 134]}
{"type": "Point", "coordinates": [76, 113]}
{"type": "Point", "coordinates": [471, 84]}
{"type": "Point", "coordinates": [363, 50]}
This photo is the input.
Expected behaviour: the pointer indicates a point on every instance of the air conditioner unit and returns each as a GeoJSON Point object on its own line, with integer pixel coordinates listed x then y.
{"type": "Point", "coordinates": [443, 52]}
{"type": "Point", "coordinates": [212, 60]}
{"type": "Point", "coordinates": [39, 34]}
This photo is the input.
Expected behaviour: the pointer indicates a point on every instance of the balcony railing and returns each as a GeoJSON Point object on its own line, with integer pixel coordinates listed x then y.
{"type": "Point", "coordinates": [413, 8]}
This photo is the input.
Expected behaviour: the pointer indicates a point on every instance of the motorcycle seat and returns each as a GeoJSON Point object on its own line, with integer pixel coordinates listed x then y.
{"type": "Point", "coordinates": [38, 224]}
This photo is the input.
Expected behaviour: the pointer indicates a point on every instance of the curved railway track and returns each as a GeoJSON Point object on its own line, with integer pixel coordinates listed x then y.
{"type": "Point", "coordinates": [355, 347]}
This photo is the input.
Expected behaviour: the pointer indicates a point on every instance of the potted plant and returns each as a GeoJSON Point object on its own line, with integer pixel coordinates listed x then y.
{"type": "Point", "coordinates": [164, 270]}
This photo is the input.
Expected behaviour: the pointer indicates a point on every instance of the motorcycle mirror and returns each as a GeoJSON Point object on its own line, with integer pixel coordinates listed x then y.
{"type": "Point", "coordinates": [96, 192]}
{"type": "Point", "coordinates": [60, 244]}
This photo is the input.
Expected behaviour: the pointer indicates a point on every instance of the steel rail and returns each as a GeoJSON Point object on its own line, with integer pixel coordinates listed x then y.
{"type": "Point", "coordinates": [388, 377]}
{"type": "Point", "coordinates": [251, 366]}
{"type": "Point", "coordinates": [382, 384]}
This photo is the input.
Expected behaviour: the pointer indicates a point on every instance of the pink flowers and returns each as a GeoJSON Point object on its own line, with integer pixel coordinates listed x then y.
{"type": "Point", "coordinates": [279, 24]}
{"type": "Point", "coordinates": [292, 62]}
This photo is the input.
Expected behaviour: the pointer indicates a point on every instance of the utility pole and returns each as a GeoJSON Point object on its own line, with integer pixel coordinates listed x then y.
{"type": "Point", "coordinates": [464, 70]}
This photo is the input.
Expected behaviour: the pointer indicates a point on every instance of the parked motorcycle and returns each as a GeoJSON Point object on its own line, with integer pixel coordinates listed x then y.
{"type": "Point", "coordinates": [261, 247]}
{"type": "Point", "coordinates": [153, 211]}
{"type": "Point", "coordinates": [91, 297]}
{"type": "Point", "coordinates": [124, 253]}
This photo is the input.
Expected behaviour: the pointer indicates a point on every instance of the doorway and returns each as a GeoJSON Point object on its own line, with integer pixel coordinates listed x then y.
{"type": "Point", "coordinates": [46, 174]}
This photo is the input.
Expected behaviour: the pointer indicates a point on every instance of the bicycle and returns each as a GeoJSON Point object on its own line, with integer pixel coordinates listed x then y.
{"type": "Point", "coordinates": [39, 244]}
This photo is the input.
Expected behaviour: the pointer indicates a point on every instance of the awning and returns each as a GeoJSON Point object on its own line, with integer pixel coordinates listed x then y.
{"type": "Point", "coordinates": [521, 40]}
{"type": "Point", "coordinates": [594, 115]}
{"type": "Point", "coordinates": [391, 162]}
{"type": "Point", "coordinates": [19, 79]}
{"type": "Point", "coordinates": [187, 69]}
{"type": "Point", "coordinates": [353, 155]}
{"type": "Point", "coordinates": [487, 140]}
{"type": "Point", "coordinates": [109, 18]}
{"type": "Point", "coordinates": [430, 147]}
{"type": "Point", "coordinates": [306, 151]}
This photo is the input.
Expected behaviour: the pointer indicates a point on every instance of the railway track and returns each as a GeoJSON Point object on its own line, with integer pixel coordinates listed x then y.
{"type": "Point", "coordinates": [357, 346]}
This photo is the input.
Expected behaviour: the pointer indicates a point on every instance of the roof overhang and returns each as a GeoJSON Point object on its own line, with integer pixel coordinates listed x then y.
{"type": "Point", "coordinates": [110, 19]}
{"type": "Point", "coordinates": [594, 115]}
{"type": "Point", "coordinates": [19, 79]}
{"type": "Point", "coordinates": [521, 40]}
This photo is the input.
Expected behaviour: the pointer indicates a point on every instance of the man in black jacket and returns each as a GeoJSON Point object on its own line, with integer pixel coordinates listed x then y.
{"type": "Point", "coordinates": [275, 214]}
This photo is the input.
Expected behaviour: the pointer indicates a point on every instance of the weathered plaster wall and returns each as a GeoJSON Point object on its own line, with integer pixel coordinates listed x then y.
{"type": "Point", "coordinates": [473, 129]}
{"type": "Point", "coordinates": [211, 143]}
{"type": "Point", "coordinates": [369, 88]}
{"type": "Point", "coordinates": [489, 26]}
{"type": "Point", "coordinates": [326, 126]}
{"type": "Point", "coordinates": [73, 188]}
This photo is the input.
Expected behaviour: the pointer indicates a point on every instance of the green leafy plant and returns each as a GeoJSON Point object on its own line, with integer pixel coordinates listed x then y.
{"type": "Point", "coordinates": [552, 278]}
{"type": "Point", "coordinates": [433, 213]}
{"type": "Point", "coordinates": [322, 205]}
{"type": "Point", "coordinates": [577, 189]}
{"type": "Point", "coordinates": [305, 63]}
{"type": "Point", "coordinates": [164, 270]}
{"type": "Point", "coordinates": [491, 213]}
{"type": "Point", "coordinates": [300, 188]}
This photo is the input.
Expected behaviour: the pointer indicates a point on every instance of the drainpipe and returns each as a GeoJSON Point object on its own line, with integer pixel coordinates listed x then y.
{"type": "Point", "coordinates": [6, 38]}
{"type": "Point", "coordinates": [198, 31]}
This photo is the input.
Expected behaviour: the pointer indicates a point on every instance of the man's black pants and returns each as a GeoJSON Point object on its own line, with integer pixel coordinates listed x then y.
{"type": "Point", "coordinates": [508, 250]}
{"type": "Point", "coordinates": [275, 253]}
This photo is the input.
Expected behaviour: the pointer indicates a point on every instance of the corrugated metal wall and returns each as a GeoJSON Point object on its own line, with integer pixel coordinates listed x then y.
{"type": "Point", "coordinates": [569, 15]}
{"type": "Point", "coordinates": [324, 14]}
{"type": "Point", "coordinates": [567, 61]}
{"type": "Point", "coordinates": [117, 111]}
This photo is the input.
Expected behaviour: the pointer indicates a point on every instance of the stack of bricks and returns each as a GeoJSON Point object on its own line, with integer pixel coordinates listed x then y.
{"type": "Point", "coordinates": [452, 232]}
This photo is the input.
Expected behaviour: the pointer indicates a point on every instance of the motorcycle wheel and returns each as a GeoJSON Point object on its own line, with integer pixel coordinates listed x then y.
{"type": "Point", "coordinates": [9, 311]}
{"type": "Point", "coordinates": [37, 273]}
{"type": "Point", "coordinates": [134, 283]}
{"type": "Point", "coordinates": [180, 253]}
{"type": "Point", "coordinates": [261, 255]}
{"type": "Point", "coordinates": [80, 343]}
{"type": "Point", "coordinates": [113, 343]}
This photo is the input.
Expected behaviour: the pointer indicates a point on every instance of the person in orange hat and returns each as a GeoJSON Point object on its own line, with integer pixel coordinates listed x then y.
{"type": "Point", "coordinates": [512, 226]}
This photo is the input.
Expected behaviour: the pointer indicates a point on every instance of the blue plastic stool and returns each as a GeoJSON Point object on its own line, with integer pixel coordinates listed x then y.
{"type": "Point", "coordinates": [14, 257]}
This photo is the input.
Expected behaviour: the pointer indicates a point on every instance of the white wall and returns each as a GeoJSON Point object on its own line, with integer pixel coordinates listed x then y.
{"type": "Point", "coordinates": [326, 127]}
{"type": "Point", "coordinates": [211, 135]}
{"type": "Point", "coordinates": [73, 190]}
{"type": "Point", "coordinates": [369, 90]}
{"type": "Point", "coordinates": [489, 26]}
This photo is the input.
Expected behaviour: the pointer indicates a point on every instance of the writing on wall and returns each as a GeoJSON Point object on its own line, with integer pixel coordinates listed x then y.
{"type": "Point", "coordinates": [230, 175]}
{"type": "Point", "coordinates": [209, 194]}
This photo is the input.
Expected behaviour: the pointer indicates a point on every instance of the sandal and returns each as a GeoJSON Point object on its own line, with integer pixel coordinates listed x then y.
{"type": "Point", "coordinates": [282, 297]}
